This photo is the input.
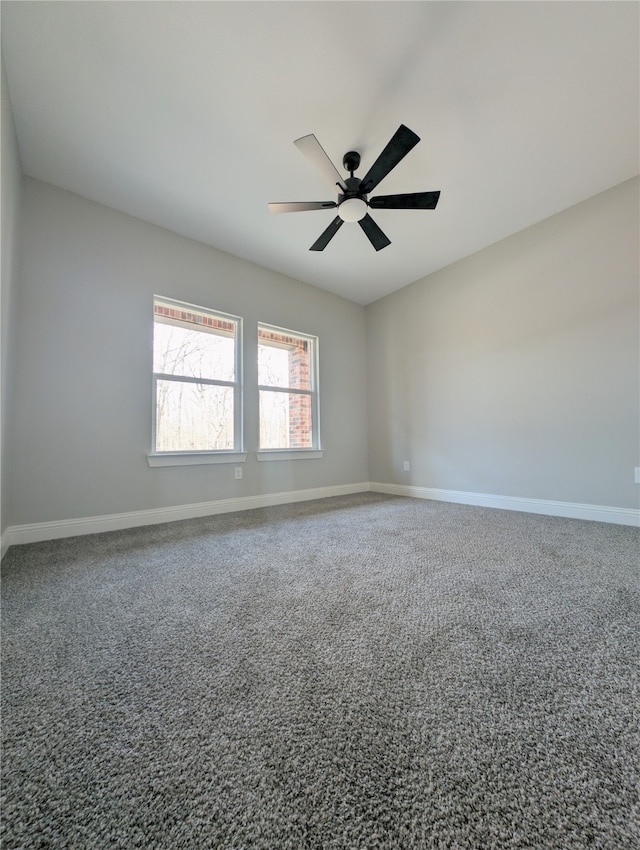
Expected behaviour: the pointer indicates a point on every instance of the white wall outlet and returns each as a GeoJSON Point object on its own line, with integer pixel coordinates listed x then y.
{"type": "Point", "coordinates": [238, 473]}
{"type": "Point", "coordinates": [637, 474]}
{"type": "Point", "coordinates": [406, 466]}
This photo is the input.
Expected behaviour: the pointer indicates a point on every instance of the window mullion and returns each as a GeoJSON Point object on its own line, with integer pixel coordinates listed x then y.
{"type": "Point", "coordinates": [285, 390]}
{"type": "Point", "coordinates": [161, 376]}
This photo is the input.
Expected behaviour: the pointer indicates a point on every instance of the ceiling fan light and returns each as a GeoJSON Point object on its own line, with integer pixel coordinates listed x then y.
{"type": "Point", "coordinates": [352, 209]}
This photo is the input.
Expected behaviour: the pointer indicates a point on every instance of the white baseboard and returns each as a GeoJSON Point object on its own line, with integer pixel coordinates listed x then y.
{"type": "Point", "coordinates": [39, 531]}
{"type": "Point", "coordinates": [573, 510]}
{"type": "Point", "coordinates": [4, 542]}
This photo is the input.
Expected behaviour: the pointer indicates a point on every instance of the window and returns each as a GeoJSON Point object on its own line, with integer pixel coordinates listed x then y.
{"type": "Point", "coordinates": [196, 375]}
{"type": "Point", "coordinates": [288, 391]}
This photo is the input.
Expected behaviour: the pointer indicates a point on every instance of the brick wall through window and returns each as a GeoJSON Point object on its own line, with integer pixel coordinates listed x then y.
{"type": "Point", "coordinates": [300, 423]}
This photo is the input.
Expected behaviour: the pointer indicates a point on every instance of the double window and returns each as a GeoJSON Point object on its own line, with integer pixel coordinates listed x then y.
{"type": "Point", "coordinates": [198, 390]}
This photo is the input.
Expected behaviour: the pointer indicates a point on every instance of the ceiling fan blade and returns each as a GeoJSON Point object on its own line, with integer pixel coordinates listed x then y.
{"type": "Point", "coordinates": [411, 201]}
{"type": "Point", "coordinates": [301, 206]}
{"type": "Point", "coordinates": [321, 243]}
{"type": "Point", "coordinates": [373, 233]}
{"type": "Point", "coordinates": [314, 152]}
{"type": "Point", "coordinates": [398, 147]}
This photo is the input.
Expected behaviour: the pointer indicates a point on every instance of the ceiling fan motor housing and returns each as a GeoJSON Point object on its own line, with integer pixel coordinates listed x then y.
{"type": "Point", "coordinates": [351, 161]}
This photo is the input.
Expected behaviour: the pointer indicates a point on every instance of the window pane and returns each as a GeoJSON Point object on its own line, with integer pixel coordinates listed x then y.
{"type": "Point", "coordinates": [193, 417]}
{"type": "Point", "coordinates": [284, 360]}
{"type": "Point", "coordinates": [273, 366]}
{"type": "Point", "coordinates": [195, 353]}
{"type": "Point", "coordinates": [285, 420]}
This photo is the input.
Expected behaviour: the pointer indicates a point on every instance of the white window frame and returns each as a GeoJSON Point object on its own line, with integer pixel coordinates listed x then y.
{"type": "Point", "coordinates": [315, 450]}
{"type": "Point", "coordinates": [188, 456]}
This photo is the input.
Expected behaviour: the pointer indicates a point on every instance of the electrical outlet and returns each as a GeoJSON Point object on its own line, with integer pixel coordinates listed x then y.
{"type": "Point", "coordinates": [406, 466]}
{"type": "Point", "coordinates": [637, 474]}
{"type": "Point", "coordinates": [238, 473]}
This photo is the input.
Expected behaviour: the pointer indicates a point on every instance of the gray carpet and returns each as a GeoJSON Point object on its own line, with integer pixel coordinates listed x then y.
{"type": "Point", "coordinates": [360, 672]}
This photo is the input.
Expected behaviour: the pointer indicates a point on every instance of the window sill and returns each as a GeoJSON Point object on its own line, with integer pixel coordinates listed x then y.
{"type": "Point", "coordinates": [194, 458]}
{"type": "Point", "coordinates": [289, 454]}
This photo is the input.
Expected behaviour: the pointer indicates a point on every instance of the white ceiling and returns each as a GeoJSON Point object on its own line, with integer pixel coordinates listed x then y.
{"type": "Point", "coordinates": [184, 114]}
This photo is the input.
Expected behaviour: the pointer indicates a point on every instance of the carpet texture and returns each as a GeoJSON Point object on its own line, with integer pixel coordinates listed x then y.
{"type": "Point", "coordinates": [357, 672]}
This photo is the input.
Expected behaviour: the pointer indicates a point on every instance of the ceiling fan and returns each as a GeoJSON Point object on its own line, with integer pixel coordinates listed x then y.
{"type": "Point", "coordinates": [353, 199]}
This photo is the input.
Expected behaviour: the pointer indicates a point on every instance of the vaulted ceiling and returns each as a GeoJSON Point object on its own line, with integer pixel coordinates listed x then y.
{"type": "Point", "coordinates": [184, 114]}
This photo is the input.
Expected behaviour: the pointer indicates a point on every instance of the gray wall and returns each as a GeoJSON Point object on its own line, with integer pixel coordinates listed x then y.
{"type": "Point", "coordinates": [11, 191]}
{"type": "Point", "coordinates": [514, 372]}
{"type": "Point", "coordinates": [80, 426]}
